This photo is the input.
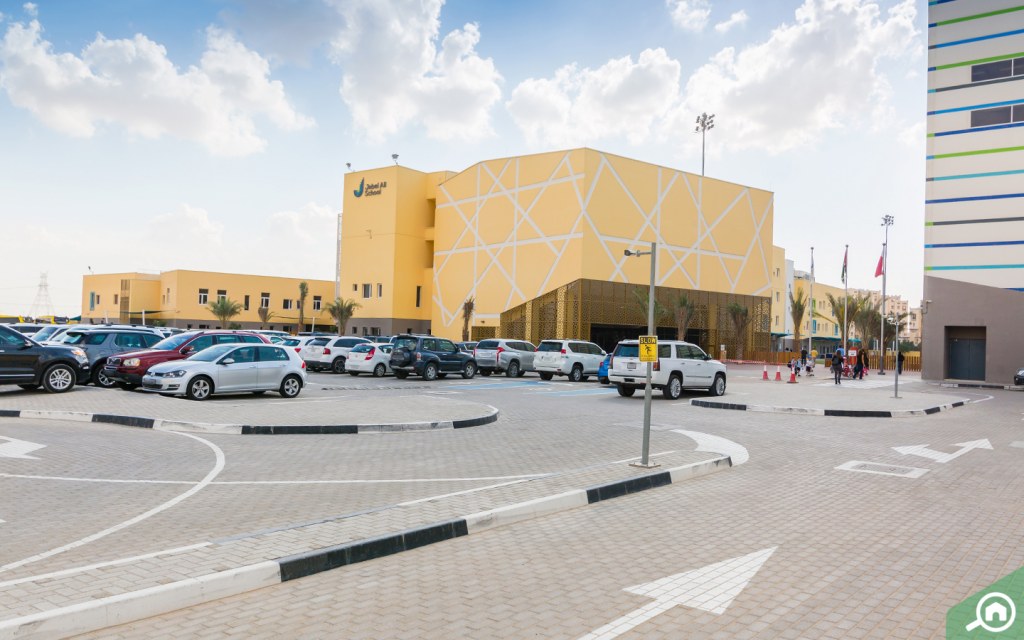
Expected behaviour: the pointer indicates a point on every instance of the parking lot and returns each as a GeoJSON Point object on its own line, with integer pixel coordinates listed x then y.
{"type": "Point", "coordinates": [852, 550]}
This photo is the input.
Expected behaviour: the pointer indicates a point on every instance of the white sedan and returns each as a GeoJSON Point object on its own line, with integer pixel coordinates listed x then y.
{"type": "Point", "coordinates": [230, 368]}
{"type": "Point", "coordinates": [369, 358]}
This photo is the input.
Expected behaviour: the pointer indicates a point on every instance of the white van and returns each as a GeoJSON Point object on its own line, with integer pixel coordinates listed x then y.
{"type": "Point", "coordinates": [680, 365]}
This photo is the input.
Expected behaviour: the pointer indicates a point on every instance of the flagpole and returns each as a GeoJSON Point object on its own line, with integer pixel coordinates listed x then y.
{"type": "Point", "coordinates": [810, 325]}
{"type": "Point", "coordinates": [887, 221]}
{"type": "Point", "coordinates": [846, 298]}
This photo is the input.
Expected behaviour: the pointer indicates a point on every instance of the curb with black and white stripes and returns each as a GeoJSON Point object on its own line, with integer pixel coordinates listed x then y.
{"type": "Point", "coordinates": [240, 429]}
{"type": "Point", "coordinates": [129, 607]}
{"type": "Point", "coordinates": [840, 413]}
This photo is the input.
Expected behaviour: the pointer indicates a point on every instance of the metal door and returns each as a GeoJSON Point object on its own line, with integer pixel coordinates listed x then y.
{"type": "Point", "coordinates": [967, 358]}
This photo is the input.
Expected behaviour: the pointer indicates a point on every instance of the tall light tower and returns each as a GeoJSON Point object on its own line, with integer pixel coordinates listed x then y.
{"type": "Point", "coordinates": [887, 221]}
{"type": "Point", "coordinates": [704, 123]}
{"type": "Point", "coordinates": [42, 305]}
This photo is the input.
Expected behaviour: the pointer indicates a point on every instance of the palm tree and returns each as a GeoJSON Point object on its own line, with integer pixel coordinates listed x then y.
{"type": "Point", "coordinates": [303, 294]}
{"type": "Point", "coordinates": [867, 321]}
{"type": "Point", "coordinates": [841, 309]}
{"type": "Point", "coordinates": [797, 306]}
{"type": "Point", "coordinates": [467, 314]}
{"type": "Point", "coordinates": [342, 310]}
{"type": "Point", "coordinates": [740, 317]}
{"type": "Point", "coordinates": [265, 315]}
{"type": "Point", "coordinates": [641, 294]}
{"type": "Point", "coordinates": [224, 309]}
{"type": "Point", "coordinates": [683, 310]}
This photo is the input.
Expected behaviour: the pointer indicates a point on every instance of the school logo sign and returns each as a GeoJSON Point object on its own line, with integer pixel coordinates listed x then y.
{"type": "Point", "coordinates": [372, 189]}
{"type": "Point", "coordinates": [359, 192]}
{"type": "Point", "coordinates": [990, 613]}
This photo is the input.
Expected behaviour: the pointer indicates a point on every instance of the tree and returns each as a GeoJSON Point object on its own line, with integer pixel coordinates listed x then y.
{"type": "Point", "coordinates": [797, 306]}
{"type": "Point", "coordinates": [641, 294]}
{"type": "Point", "coordinates": [868, 321]}
{"type": "Point", "coordinates": [840, 309]}
{"type": "Point", "coordinates": [467, 314]}
{"type": "Point", "coordinates": [265, 315]}
{"type": "Point", "coordinates": [740, 317]}
{"type": "Point", "coordinates": [342, 310]}
{"type": "Point", "coordinates": [303, 294]}
{"type": "Point", "coordinates": [683, 310]}
{"type": "Point", "coordinates": [224, 309]}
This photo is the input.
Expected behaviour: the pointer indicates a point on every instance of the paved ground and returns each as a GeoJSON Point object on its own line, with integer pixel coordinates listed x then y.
{"type": "Point", "coordinates": [836, 553]}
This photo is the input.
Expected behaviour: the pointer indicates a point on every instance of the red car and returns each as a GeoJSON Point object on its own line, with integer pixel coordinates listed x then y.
{"type": "Point", "coordinates": [127, 369]}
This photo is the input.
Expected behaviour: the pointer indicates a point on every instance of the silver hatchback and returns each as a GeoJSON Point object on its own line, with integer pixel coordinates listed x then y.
{"type": "Point", "coordinates": [497, 355]}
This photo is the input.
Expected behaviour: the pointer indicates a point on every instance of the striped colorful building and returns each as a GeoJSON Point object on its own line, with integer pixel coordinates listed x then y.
{"type": "Point", "coordinates": [974, 203]}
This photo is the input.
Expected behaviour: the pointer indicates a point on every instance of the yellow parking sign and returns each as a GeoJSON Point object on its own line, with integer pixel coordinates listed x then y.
{"type": "Point", "coordinates": [648, 348]}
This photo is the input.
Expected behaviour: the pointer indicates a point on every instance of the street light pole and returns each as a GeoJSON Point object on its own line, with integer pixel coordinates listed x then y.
{"type": "Point", "coordinates": [704, 123]}
{"type": "Point", "coordinates": [887, 221]}
{"type": "Point", "coordinates": [646, 448]}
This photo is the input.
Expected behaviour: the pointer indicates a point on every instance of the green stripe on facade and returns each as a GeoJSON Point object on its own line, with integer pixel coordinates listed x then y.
{"type": "Point", "coordinates": [979, 152]}
{"type": "Point", "coordinates": [979, 16]}
{"type": "Point", "coordinates": [967, 63]}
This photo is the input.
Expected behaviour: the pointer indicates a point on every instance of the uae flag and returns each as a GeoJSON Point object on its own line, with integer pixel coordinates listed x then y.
{"type": "Point", "coordinates": [880, 269]}
{"type": "Point", "coordinates": [845, 256]}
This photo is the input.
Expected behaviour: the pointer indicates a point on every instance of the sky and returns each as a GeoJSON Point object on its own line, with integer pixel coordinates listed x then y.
{"type": "Point", "coordinates": [147, 135]}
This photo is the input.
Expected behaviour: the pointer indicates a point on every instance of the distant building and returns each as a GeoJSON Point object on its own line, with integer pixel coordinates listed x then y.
{"type": "Point", "coordinates": [179, 298]}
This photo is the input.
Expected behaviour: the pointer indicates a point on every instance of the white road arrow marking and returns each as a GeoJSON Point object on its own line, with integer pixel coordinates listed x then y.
{"type": "Point", "coordinates": [711, 588]}
{"type": "Point", "coordinates": [923, 451]}
{"type": "Point", "coordinates": [717, 444]}
{"type": "Point", "coordinates": [18, 449]}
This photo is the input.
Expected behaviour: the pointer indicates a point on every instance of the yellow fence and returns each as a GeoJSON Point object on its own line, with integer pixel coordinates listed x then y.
{"type": "Point", "coordinates": [911, 361]}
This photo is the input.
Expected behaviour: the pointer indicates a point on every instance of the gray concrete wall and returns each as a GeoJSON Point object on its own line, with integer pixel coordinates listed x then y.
{"type": "Point", "coordinates": [950, 303]}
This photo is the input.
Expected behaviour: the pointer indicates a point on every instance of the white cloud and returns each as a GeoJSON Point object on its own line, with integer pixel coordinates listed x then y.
{"type": "Point", "coordinates": [31, 9]}
{"type": "Point", "coordinates": [394, 74]}
{"type": "Point", "coordinates": [817, 74]}
{"type": "Point", "coordinates": [912, 135]}
{"type": "Point", "coordinates": [579, 106]}
{"type": "Point", "coordinates": [736, 19]}
{"type": "Point", "coordinates": [132, 83]}
{"type": "Point", "coordinates": [691, 15]}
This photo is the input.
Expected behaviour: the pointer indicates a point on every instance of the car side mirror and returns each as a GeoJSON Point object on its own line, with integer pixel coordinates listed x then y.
{"type": "Point", "coordinates": [187, 350]}
{"type": "Point", "coordinates": [26, 344]}
{"type": "Point", "coordinates": [227, 361]}
{"type": "Point", "coordinates": [603, 352]}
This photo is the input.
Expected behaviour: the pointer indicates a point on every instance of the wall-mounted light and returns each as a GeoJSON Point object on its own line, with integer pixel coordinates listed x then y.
{"type": "Point", "coordinates": [394, 156]}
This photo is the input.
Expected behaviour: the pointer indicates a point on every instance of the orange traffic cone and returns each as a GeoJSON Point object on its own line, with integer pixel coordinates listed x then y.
{"type": "Point", "coordinates": [792, 376]}
{"type": "Point", "coordinates": [778, 374]}
{"type": "Point", "coordinates": [765, 376]}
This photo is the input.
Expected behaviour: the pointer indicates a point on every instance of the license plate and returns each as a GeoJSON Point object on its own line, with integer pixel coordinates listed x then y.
{"type": "Point", "coordinates": [631, 365]}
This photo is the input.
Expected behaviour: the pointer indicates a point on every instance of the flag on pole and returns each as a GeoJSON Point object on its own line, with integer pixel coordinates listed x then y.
{"type": "Point", "coordinates": [880, 269]}
{"type": "Point", "coordinates": [845, 255]}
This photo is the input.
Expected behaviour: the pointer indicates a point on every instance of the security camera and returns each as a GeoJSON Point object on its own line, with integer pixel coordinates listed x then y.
{"type": "Point", "coordinates": [628, 252]}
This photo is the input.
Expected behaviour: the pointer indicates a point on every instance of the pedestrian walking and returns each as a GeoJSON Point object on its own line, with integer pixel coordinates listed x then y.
{"type": "Point", "coordinates": [862, 363]}
{"type": "Point", "coordinates": [837, 367]}
{"type": "Point", "coordinates": [899, 363]}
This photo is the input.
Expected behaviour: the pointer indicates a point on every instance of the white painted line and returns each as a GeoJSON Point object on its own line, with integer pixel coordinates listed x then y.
{"type": "Point", "coordinates": [18, 448]}
{"type": "Point", "coordinates": [106, 480]}
{"type": "Point", "coordinates": [662, 453]}
{"type": "Point", "coordinates": [716, 444]}
{"type": "Point", "coordinates": [922, 450]}
{"type": "Point", "coordinates": [101, 565]}
{"type": "Point", "coordinates": [985, 399]}
{"type": "Point", "coordinates": [462, 493]}
{"type": "Point", "coordinates": [1019, 444]}
{"type": "Point", "coordinates": [913, 472]}
{"type": "Point", "coordinates": [277, 482]}
{"type": "Point", "coordinates": [304, 400]}
{"type": "Point", "coordinates": [217, 468]}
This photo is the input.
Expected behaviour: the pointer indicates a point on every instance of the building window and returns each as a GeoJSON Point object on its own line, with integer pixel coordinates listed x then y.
{"type": "Point", "coordinates": [287, 303]}
{"type": "Point", "coordinates": [418, 290]}
{"type": "Point", "coordinates": [776, 317]}
{"type": "Point", "coordinates": [988, 117]}
{"type": "Point", "coordinates": [365, 330]}
{"type": "Point", "coordinates": [367, 291]}
{"type": "Point", "coordinates": [380, 290]}
{"type": "Point", "coordinates": [222, 294]}
{"type": "Point", "coordinates": [204, 296]}
{"type": "Point", "coordinates": [245, 304]}
{"type": "Point", "coordinates": [355, 330]}
{"type": "Point", "coordinates": [355, 287]}
{"type": "Point", "coordinates": [317, 303]}
{"type": "Point", "coordinates": [264, 300]}
{"type": "Point", "coordinates": [97, 298]}
{"type": "Point", "coordinates": [375, 331]}
{"type": "Point", "coordinates": [92, 300]}
{"type": "Point", "coordinates": [115, 298]}
{"type": "Point", "coordinates": [814, 325]}
{"type": "Point", "coordinates": [994, 70]}
{"type": "Point", "coordinates": [776, 296]}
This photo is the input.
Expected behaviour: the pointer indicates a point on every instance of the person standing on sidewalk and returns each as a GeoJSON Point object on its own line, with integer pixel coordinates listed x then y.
{"type": "Point", "coordinates": [837, 367]}
{"type": "Point", "coordinates": [899, 363]}
{"type": "Point", "coordinates": [862, 364]}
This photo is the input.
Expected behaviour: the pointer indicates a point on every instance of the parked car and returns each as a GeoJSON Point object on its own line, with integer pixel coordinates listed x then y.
{"type": "Point", "coordinates": [44, 333]}
{"type": "Point", "coordinates": [100, 344]}
{"type": "Point", "coordinates": [467, 346]}
{"type": "Point", "coordinates": [573, 358]}
{"type": "Point", "coordinates": [230, 368]}
{"type": "Point", "coordinates": [430, 357]}
{"type": "Point", "coordinates": [297, 343]}
{"type": "Point", "coordinates": [270, 333]}
{"type": "Point", "coordinates": [60, 335]}
{"type": "Point", "coordinates": [500, 355]}
{"type": "Point", "coordinates": [380, 339]}
{"type": "Point", "coordinates": [329, 354]}
{"type": "Point", "coordinates": [28, 364]}
{"type": "Point", "coordinates": [369, 358]}
{"type": "Point", "coordinates": [680, 365]}
{"type": "Point", "coordinates": [1019, 378]}
{"type": "Point", "coordinates": [602, 371]}
{"type": "Point", "coordinates": [127, 369]}
{"type": "Point", "coordinates": [26, 328]}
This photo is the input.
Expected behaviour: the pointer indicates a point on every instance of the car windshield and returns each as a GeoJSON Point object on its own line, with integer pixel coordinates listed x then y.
{"type": "Point", "coordinates": [487, 344]}
{"type": "Point", "coordinates": [550, 346]}
{"type": "Point", "coordinates": [71, 337]}
{"type": "Point", "coordinates": [405, 343]}
{"type": "Point", "coordinates": [291, 342]}
{"type": "Point", "coordinates": [44, 333]}
{"type": "Point", "coordinates": [212, 353]}
{"type": "Point", "coordinates": [173, 342]}
{"type": "Point", "coordinates": [627, 351]}
{"type": "Point", "coordinates": [362, 348]}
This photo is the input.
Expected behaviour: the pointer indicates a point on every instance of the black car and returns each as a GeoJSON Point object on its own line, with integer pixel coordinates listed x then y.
{"type": "Point", "coordinates": [1019, 378]}
{"type": "Point", "coordinates": [29, 365]}
{"type": "Point", "coordinates": [429, 357]}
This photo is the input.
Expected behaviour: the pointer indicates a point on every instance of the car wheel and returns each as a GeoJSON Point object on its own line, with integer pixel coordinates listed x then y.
{"type": "Point", "coordinates": [290, 387]}
{"type": "Point", "coordinates": [513, 370]}
{"type": "Point", "coordinates": [521, 373]}
{"type": "Point", "coordinates": [29, 387]}
{"type": "Point", "coordinates": [354, 374]}
{"type": "Point", "coordinates": [468, 370]}
{"type": "Point", "coordinates": [101, 380]}
{"type": "Point", "coordinates": [59, 378]}
{"type": "Point", "coordinates": [127, 386]}
{"type": "Point", "coordinates": [602, 380]}
{"type": "Point", "coordinates": [546, 376]}
{"type": "Point", "coordinates": [338, 366]}
{"type": "Point", "coordinates": [624, 391]}
{"type": "Point", "coordinates": [718, 387]}
{"type": "Point", "coordinates": [673, 389]}
{"type": "Point", "coordinates": [401, 375]}
{"type": "Point", "coordinates": [430, 372]}
{"type": "Point", "coordinates": [380, 370]}
{"type": "Point", "coordinates": [576, 374]}
{"type": "Point", "coordinates": [199, 388]}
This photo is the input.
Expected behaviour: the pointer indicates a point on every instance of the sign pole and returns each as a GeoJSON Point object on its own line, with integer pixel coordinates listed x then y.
{"type": "Point", "coordinates": [645, 455]}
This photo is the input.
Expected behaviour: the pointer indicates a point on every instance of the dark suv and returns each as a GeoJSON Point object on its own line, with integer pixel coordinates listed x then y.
{"type": "Point", "coordinates": [429, 357]}
{"type": "Point", "coordinates": [28, 364]}
{"type": "Point", "coordinates": [102, 343]}
{"type": "Point", "coordinates": [126, 370]}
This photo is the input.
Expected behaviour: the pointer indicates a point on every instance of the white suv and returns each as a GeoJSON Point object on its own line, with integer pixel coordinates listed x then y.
{"type": "Point", "coordinates": [680, 365]}
{"type": "Point", "coordinates": [574, 358]}
{"type": "Point", "coordinates": [329, 353]}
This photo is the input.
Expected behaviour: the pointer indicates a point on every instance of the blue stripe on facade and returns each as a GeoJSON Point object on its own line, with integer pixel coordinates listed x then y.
{"type": "Point", "coordinates": [962, 176]}
{"type": "Point", "coordinates": [935, 2]}
{"type": "Point", "coordinates": [993, 127]}
{"type": "Point", "coordinates": [1001, 196]}
{"type": "Point", "coordinates": [989, 105]}
{"type": "Point", "coordinates": [977, 39]}
{"type": "Point", "coordinates": [954, 245]}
